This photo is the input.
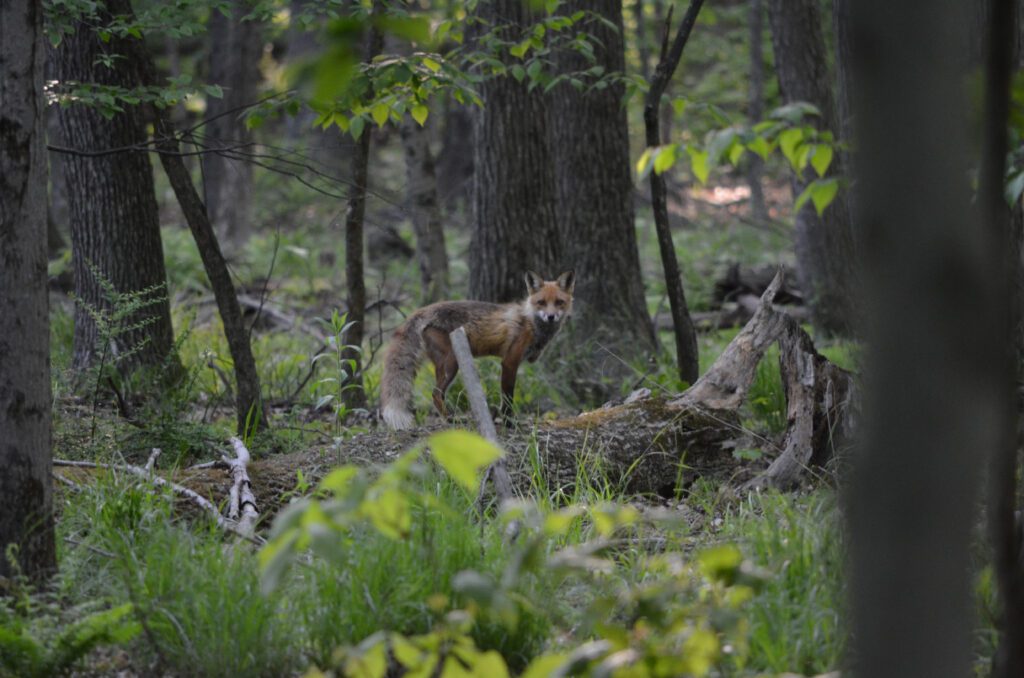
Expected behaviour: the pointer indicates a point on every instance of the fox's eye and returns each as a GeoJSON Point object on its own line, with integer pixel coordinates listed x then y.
{"type": "Point", "coordinates": [559, 303]}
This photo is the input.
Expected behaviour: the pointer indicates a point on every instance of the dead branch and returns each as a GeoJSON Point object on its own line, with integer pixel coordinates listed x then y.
{"type": "Point", "coordinates": [242, 502]}
{"type": "Point", "coordinates": [196, 498]}
{"type": "Point", "coordinates": [497, 471]}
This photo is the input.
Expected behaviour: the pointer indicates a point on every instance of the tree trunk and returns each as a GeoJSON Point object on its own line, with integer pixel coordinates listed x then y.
{"type": "Point", "coordinates": [515, 223]}
{"type": "Point", "coordinates": [755, 110]}
{"type": "Point", "coordinates": [354, 394]}
{"type": "Point", "coordinates": [594, 207]}
{"type": "Point", "coordinates": [824, 245]}
{"type": "Point", "coordinates": [935, 372]}
{"type": "Point", "coordinates": [250, 411]}
{"type": "Point", "coordinates": [115, 226]}
{"type": "Point", "coordinates": [421, 200]}
{"type": "Point", "coordinates": [455, 159]}
{"type": "Point", "coordinates": [686, 336]}
{"type": "Point", "coordinates": [1000, 37]}
{"type": "Point", "coordinates": [235, 49]}
{"type": "Point", "coordinates": [26, 499]}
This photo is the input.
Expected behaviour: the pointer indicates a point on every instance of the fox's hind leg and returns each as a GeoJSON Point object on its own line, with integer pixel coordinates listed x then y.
{"type": "Point", "coordinates": [439, 349]}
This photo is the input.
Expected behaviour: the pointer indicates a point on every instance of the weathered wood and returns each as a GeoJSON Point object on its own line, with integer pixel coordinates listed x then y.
{"type": "Point", "coordinates": [241, 500]}
{"type": "Point", "coordinates": [478, 401]}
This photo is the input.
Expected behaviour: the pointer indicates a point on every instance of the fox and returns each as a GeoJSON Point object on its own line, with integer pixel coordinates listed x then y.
{"type": "Point", "coordinates": [512, 332]}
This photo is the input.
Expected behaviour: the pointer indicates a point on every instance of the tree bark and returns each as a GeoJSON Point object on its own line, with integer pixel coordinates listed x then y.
{"type": "Point", "coordinates": [935, 372]}
{"type": "Point", "coordinates": [26, 498]}
{"type": "Point", "coordinates": [824, 245]}
{"type": "Point", "coordinates": [354, 395]}
{"type": "Point", "coordinates": [422, 202]}
{"type": "Point", "coordinates": [249, 402]}
{"type": "Point", "coordinates": [755, 109]}
{"type": "Point", "coordinates": [1000, 33]}
{"type": "Point", "coordinates": [515, 222]}
{"type": "Point", "coordinates": [234, 56]}
{"type": "Point", "coordinates": [115, 225]}
{"type": "Point", "coordinates": [594, 207]}
{"type": "Point", "coordinates": [686, 336]}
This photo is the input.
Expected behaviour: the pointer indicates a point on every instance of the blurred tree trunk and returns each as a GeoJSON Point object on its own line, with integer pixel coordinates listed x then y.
{"type": "Point", "coordinates": [26, 496]}
{"type": "Point", "coordinates": [455, 159]}
{"type": "Point", "coordinates": [1000, 33]}
{"type": "Point", "coordinates": [515, 223]}
{"type": "Point", "coordinates": [115, 226]}
{"type": "Point", "coordinates": [421, 200]}
{"type": "Point", "coordinates": [235, 47]}
{"type": "Point", "coordinates": [594, 207]}
{"type": "Point", "coordinates": [643, 47]}
{"type": "Point", "coordinates": [755, 110]}
{"type": "Point", "coordinates": [354, 395]}
{"type": "Point", "coordinates": [935, 375]}
{"type": "Point", "coordinates": [824, 245]}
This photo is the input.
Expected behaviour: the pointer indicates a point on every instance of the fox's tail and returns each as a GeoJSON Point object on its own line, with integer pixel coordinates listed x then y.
{"type": "Point", "coordinates": [400, 365]}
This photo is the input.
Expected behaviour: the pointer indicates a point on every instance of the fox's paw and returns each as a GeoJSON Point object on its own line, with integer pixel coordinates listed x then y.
{"type": "Point", "coordinates": [397, 418]}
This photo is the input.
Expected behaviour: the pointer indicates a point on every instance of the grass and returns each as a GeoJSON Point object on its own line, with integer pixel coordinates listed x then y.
{"type": "Point", "coordinates": [795, 618]}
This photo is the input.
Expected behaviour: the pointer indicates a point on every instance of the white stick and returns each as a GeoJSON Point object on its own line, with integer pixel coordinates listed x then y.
{"type": "Point", "coordinates": [242, 504]}
{"type": "Point", "coordinates": [478, 401]}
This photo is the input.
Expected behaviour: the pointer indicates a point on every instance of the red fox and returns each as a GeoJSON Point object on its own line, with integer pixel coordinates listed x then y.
{"type": "Point", "coordinates": [511, 332]}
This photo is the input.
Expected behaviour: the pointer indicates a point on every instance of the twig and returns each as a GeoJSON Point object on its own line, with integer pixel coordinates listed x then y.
{"type": "Point", "coordinates": [198, 499]}
{"type": "Point", "coordinates": [475, 392]}
{"type": "Point", "coordinates": [98, 551]}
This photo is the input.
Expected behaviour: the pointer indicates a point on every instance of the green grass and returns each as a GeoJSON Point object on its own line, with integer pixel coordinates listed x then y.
{"type": "Point", "coordinates": [795, 619]}
{"type": "Point", "coordinates": [199, 600]}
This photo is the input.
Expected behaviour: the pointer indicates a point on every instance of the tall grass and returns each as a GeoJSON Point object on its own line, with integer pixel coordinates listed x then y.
{"type": "Point", "coordinates": [795, 619]}
{"type": "Point", "coordinates": [199, 601]}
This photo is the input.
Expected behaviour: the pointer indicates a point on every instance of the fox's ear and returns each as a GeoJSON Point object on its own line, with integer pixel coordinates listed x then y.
{"type": "Point", "coordinates": [567, 281]}
{"type": "Point", "coordinates": [533, 281]}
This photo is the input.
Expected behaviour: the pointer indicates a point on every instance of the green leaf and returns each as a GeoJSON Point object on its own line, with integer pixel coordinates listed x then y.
{"type": "Point", "coordinates": [821, 192]}
{"type": "Point", "coordinates": [762, 147]}
{"type": "Point", "coordinates": [788, 142]}
{"type": "Point", "coordinates": [380, 113]}
{"type": "Point", "coordinates": [431, 64]}
{"type": "Point", "coordinates": [720, 563]}
{"type": "Point", "coordinates": [356, 126]}
{"type": "Point", "coordinates": [665, 157]}
{"type": "Point", "coordinates": [518, 72]}
{"type": "Point", "coordinates": [338, 480]}
{"type": "Point", "coordinates": [721, 142]}
{"type": "Point", "coordinates": [419, 113]}
{"type": "Point", "coordinates": [824, 193]}
{"type": "Point", "coordinates": [462, 455]}
{"type": "Point", "coordinates": [821, 159]}
{"type": "Point", "coordinates": [389, 512]}
{"type": "Point", "coordinates": [736, 152]}
{"type": "Point", "coordinates": [699, 163]}
{"type": "Point", "coordinates": [521, 49]}
{"type": "Point", "coordinates": [643, 165]}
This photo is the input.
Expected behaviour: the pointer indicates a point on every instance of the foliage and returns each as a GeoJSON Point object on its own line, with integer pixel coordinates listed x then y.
{"type": "Point", "coordinates": [785, 130]}
{"type": "Point", "coordinates": [38, 638]}
{"type": "Point", "coordinates": [330, 389]}
{"type": "Point", "coordinates": [684, 620]}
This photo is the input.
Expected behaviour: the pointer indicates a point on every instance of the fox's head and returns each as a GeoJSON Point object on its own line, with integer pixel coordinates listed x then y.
{"type": "Point", "coordinates": [550, 300]}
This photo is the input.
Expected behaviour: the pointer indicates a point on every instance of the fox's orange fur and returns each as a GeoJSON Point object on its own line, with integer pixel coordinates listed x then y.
{"type": "Point", "coordinates": [512, 332]}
